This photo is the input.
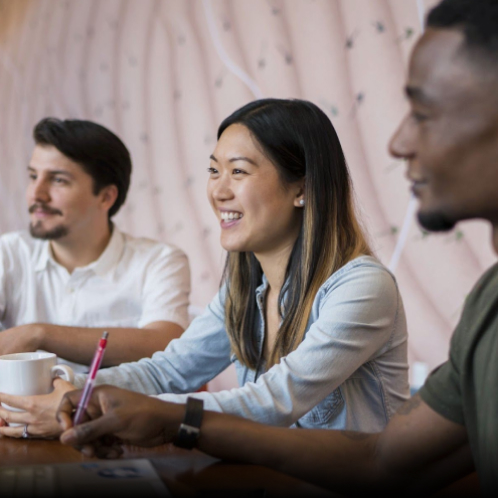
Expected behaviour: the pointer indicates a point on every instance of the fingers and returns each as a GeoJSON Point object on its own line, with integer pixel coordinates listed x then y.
{"type": "Point", "coordinates": [88, 450]}
{"type": "Point", "coordinates": [14, 417]}
{"type": "Point", "coordinates": [63, 385]}
{"type": "Point", "coordinates": [65, 420]}
{"type": "Point", "coordinates": [101, 451]}
{"type": "Point", "coordinates": [15, 401]}
{"type": "Point", "coordinates": [89, 431]}
{"type": "Point", "coordinates": [108, 452]}
{"type": "Point", "coordinates": [67, 406]}
{"type": "Point", "coordinates": [11, 431]}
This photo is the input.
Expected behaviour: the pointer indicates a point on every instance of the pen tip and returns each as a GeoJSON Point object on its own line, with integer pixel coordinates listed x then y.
{"type": "Point", "coordinates": [105, 335]}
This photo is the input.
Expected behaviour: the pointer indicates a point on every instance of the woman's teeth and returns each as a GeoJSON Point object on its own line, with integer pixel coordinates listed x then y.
{"type": "Point", "coordinates": [230, 215]}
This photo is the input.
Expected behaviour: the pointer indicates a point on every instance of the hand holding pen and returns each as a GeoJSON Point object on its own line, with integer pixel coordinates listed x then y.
{"type": "Point", "coordinates": [90, 380]}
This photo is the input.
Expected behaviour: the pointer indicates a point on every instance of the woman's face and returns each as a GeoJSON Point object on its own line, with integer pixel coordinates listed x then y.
{"type": "Point", "coordinates": [256, 210]}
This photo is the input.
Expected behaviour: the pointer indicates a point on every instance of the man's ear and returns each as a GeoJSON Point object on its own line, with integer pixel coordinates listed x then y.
{"type": "Point", "coordinates": [108, 196]}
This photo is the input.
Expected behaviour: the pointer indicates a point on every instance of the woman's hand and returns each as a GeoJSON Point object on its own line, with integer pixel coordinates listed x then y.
{"type": "Point", "coordinates": [38, 412]}
{"type": "Point", "coordinates": [115, 417]}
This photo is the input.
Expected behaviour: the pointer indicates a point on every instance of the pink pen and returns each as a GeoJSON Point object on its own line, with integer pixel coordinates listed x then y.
{"type": "Point", "coordinates": [90, 380]}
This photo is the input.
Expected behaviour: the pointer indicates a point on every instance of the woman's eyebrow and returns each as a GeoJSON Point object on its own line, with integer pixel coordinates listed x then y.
{"type": "Point", "coordinates": [233, 159]}
{"type": "Point", "coordinates": [242, 158]}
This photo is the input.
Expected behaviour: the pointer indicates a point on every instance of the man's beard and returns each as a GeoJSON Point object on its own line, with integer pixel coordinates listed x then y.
{"type": "Point", "coordinates": [38, 232]}
{"type": "Point", "coordinates": [36, 229]}
{"type": "Point", "coordinates": [436, 222]}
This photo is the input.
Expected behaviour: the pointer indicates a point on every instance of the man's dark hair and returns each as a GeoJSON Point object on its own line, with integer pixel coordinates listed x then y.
{"type": "Point", "coordinates": [97, 150]}
{"type": "Point", "coordinates": [477, 19]}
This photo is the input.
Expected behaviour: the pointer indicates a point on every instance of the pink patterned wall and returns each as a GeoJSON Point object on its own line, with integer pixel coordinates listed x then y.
{"type": "Point", "coordinates": [162, 74]}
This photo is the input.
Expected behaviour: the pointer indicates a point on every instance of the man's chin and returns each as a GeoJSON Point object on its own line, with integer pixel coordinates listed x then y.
{"type": "Point", "coordinates": [435, 221]}
{"type": "Point", "coordinates": [38, 232]}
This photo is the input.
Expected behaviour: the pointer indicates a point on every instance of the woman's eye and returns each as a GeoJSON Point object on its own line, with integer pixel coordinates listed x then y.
{"type": "Point", "coordinates": [212, 171]}
{"type": "Point", "coordinates": [238, 172]}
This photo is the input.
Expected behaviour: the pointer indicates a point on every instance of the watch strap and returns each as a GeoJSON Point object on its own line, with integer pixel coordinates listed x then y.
{"type": "Point", "coordinates": [190, 429]}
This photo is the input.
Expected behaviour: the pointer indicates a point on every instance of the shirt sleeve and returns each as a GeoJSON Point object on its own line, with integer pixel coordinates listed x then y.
{"type": "Point", "coordinates": [3, 283]}
{"type": "Point", "coordinates": [187, 363]}
{"type": "Point", "coordinates": [166, 289]}
{"type": "Point", "coordinates": [357, 319]}
{"type": "Point", "coordinates": [441, 391]}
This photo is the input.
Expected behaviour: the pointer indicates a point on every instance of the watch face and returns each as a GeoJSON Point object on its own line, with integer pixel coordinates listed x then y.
{"type": "Point", "coordinates": [189, 430]}
{"type": "Point", "coordinates": [187, 436]}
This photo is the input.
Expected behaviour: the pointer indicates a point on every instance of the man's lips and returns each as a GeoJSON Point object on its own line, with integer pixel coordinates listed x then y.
{"type": "Point", "coordinates": [43, 211]}
{"type": "Point", "coordinates": [417, 186]}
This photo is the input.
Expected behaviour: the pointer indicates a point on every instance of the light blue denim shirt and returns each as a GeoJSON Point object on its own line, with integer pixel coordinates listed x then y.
{"type": "Point", "coordinates": [349, 372]}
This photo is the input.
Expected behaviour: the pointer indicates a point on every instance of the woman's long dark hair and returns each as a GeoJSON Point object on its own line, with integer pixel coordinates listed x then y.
{"type": "Point", "coordinates": [301, 142]}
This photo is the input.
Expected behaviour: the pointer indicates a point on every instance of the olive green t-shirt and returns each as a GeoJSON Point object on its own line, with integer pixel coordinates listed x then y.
{"type": "Point", "coordinates": [465, 388]}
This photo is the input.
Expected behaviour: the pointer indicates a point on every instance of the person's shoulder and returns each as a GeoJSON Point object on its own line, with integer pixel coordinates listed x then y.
{"type": "Point", "coordinates": [362, 268]}
{"type": "Point", "coordinates": [20, 251]}
{"type": "Point", "coordinates": [20, 240]}
{"type": "Point", "coordinates": [145, 246]}
{"type": "Point", "coordinates": [485, 291]}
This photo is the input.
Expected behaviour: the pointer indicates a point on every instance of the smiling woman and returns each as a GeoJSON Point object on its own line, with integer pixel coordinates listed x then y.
{"type": "Point", "coordinates": [312, 320]}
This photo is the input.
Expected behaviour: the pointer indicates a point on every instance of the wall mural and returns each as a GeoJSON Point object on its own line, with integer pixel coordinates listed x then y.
{"type": "Point", "coordinates": [162, 74]}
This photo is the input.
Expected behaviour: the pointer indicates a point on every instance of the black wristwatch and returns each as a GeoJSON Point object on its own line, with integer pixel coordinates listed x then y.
{"type": "Point", "coordinates": [190, 428]}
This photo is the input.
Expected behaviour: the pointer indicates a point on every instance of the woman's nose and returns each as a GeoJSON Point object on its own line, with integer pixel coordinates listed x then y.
{"type": "Point", "coordinates": [222, 189]}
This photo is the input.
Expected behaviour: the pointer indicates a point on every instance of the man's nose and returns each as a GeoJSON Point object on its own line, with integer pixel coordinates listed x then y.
{"type": "Point", "coordinates": [401, 145]}
{"type": "Point", "coordinates": [40, 191]}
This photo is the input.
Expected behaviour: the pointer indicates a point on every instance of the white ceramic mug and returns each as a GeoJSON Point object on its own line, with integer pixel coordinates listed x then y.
{"type": "Point", "coordinates": [26, 374]}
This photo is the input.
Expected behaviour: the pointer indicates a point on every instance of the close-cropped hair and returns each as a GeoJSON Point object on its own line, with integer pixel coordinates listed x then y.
{"type": "Point", "coordinates": [96, 149]}
{"type": "Point", "coordinates": [300, 141]}
{"type": "Point", "coordinates": [477, 19]}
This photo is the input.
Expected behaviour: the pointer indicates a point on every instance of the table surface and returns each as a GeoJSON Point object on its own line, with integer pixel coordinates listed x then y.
{"type": "Point", "coordinates": [186, 473]}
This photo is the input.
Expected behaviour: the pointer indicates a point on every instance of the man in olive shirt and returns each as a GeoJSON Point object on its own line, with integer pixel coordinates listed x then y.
{"type": "Point", "coordinates": [448, 429]}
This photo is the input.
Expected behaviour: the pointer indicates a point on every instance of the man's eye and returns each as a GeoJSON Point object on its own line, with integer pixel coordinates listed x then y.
{"type": "Point", "coordinates": [418, 117]}
{"type": "Point", "coordinates": [238, 172]}
{"type": "Point", "coordinates": [60, 181]}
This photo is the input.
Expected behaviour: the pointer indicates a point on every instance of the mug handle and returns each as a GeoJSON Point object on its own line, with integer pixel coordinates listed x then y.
{"type": "Point", "coordinates": [63, 371]}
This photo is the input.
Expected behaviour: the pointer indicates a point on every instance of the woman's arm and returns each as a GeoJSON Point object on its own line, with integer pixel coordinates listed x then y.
{"type": "Point", "coordinates": [357, 317]}
{"type": "Point", "coordinates": [185, 365]}
{"type": "Point", "coordinates": [188, 363]}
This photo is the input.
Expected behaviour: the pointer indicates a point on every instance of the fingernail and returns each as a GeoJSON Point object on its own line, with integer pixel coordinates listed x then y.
{"type": "Point", "coordinates": [68, 437]}
{"type": "Point", "coordinates": [87, 451]}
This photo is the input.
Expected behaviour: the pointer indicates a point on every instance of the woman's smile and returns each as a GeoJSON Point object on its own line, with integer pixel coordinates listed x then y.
{"type": "Point", "coordinates": [230, 218]}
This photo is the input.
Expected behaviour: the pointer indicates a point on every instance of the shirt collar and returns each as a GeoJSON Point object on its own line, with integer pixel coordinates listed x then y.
{"type": "Point", "coordinates": [101, 266]}
{"type": "Point", "coordinates": [110, 256]}
{"type": "Point", "coordinates": [44, 256]}
{"type": "Point", "coordinates": [261, 289]}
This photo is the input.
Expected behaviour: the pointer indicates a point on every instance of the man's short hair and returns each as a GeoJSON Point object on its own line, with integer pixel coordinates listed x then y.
{"type": "Point", "coordinates": [476, 19]}
{"type": "Point", "coordinates": [97, 150]}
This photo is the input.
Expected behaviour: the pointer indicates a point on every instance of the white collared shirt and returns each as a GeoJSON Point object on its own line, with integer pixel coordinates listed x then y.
{"type": "Point", "coordinates": [135, 282]}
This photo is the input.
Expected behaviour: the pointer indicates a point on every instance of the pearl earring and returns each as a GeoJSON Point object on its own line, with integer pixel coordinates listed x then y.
{"type": "Point", "coordinates": [301, 202]}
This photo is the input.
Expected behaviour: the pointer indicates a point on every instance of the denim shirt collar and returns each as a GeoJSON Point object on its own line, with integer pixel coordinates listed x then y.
{"type": "Point", "coordinates": [261, 289]}
{"type": "Point", "coordinates": [260, 327]}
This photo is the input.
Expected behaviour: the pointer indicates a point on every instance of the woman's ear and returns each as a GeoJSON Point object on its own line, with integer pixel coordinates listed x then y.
{"type": "Point", "coordinates": [299, 199]}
